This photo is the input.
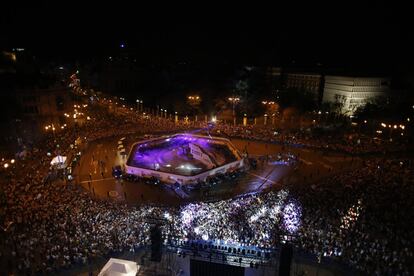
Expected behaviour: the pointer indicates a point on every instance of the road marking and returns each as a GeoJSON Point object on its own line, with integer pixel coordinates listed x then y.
{"type": "Point", "coordinates": [96, 180]}
{"type": "Point", "coordinates": [263, 178]}
{"type": "Point", "coordinates": [326, 166]}
{"type": "Point", "coordinates": [306, 162]}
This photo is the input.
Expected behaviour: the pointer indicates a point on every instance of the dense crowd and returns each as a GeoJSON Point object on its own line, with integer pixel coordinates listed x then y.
{"type": "Point", "coordinates": [362, 217]}
{"type": "Point", "coordinates": [49, 225]}
{"type": "Point", "coordinates": [349, 142]}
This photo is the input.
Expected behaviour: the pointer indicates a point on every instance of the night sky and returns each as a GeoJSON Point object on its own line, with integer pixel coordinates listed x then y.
{"type": "Point", "coordinates": [376, 36]}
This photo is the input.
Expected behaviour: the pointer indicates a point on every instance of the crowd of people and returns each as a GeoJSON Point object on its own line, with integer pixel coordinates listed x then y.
{"type": "Point", "coordinates": [50, 225]}
{"type": "Point", "coordinates": [348, 142]}
{"type": "Point", "coordinates": [361, 217]}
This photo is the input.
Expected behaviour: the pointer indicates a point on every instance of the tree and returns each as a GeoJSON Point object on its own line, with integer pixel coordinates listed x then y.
{"type": "Point", "coordinates": [397, 108]}
{"type": "Point", "coordinates": [298, 98]}
{"type": "Point", "coordinates": [338, 104]}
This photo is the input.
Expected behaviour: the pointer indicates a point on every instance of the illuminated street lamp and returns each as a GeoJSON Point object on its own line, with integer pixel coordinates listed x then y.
{"type": "Point", "coordinates": [139, 105]}
{"type": "Point", "coordinates": [271, 107]}
{"type": "Point", "coordinates": [234, 101]}
{"type": "Point", "coordinates": [194, 98]}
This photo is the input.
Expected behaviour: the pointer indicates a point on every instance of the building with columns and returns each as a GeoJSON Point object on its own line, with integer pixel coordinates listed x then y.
{"type": "Point", "coordinates": [352, 92]}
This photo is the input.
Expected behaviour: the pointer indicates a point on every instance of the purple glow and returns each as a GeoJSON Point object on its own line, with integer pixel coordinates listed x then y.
{"type": "Point", "coordinates": [173, 155]}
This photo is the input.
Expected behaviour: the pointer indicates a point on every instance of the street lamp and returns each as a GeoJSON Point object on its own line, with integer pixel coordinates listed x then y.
{"type": "Point", "coordinates": [245, 119]}
{"type": "Point", "coordinates": [139, 105]}
{"type": "Point", "coordinates": [234, 101]}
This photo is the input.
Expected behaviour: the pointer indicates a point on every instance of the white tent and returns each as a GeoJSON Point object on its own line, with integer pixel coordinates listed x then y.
{"type": "Point", "coordinates": [119, 267]}
{"type": "Point", "coordinates": [59, 161]}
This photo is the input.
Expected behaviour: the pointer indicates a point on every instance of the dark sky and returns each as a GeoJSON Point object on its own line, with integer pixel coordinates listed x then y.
{"type": "Point", "coordinates": [333, 34]}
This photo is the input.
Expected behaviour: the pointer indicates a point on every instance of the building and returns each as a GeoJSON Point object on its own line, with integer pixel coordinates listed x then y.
{"type": "Point", "coordinates": [309, 82]}
{"type": "Point", "coordinates": [273, 79]}
{"type": "Point", "coordinates": [39, 107]}
{"type": "Point", "coordinates": [349, 93]}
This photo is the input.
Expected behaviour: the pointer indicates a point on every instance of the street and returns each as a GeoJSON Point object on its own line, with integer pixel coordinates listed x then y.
{"type": "Point", "coordinates": [94, 173]}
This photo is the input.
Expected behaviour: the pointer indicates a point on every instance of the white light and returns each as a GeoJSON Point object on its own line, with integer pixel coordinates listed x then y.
{"type": "Point", "coordinates": [204, 237]}
{"type": "Point", "coordinates": [6, 165]}
{"type": "Point", "coordinates": [167, 216]}
{"type": "Point", "coordinates": [12, 161]}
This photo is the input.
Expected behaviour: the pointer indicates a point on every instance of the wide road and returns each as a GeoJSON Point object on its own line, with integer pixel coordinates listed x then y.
{"type": "Point", "coordinates": [95, 173]}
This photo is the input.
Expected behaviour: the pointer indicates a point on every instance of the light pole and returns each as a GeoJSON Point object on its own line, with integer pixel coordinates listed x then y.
{"type": "Point", "coordinates": [270, 107]}
{"type": "Point", "coordinates": [194, 102]}
{"type": "Point", "coordinates": [234, 101]}
{"type": "Point", "coordinates": [140, 106]}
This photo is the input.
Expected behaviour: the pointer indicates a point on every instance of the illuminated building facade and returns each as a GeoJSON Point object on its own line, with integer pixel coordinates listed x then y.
{"type": "Point", "coordinates": [352, 92]}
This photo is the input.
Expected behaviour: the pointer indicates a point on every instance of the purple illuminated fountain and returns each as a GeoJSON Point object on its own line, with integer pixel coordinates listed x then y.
{"type": "Point", "coordinates": [181, 155]}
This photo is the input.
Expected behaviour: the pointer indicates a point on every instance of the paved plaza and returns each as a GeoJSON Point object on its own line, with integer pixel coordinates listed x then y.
{"type": "Point", "coordinates": [94, 173]}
